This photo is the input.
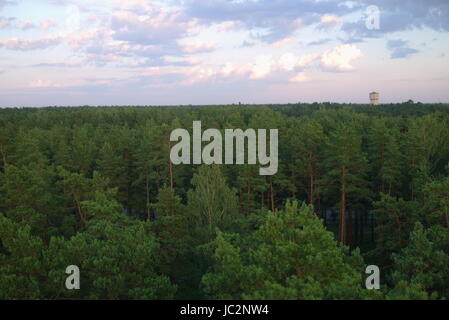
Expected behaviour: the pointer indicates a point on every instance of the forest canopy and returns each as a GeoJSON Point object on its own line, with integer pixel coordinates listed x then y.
{"type": "Point", "coordinates": [94, 187]}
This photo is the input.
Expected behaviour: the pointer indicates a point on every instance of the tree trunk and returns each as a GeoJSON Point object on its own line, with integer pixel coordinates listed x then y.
{"type": "Point", "coordinates": [128, 199]}
{"type": "Point", "coordinates": [170, 167]}
{"type": "Point", "coordinates": [342, 222]}
{"type": "Point", "coordinates": [349, 226]}
{"type": "Point", "coordinates": [80, 212]}
{"type": "Point", "coordinates": [324, 216]}
{"type": "Point", "coordinates": [248, 206]}
{"type": "Point", "coordinates": [147, 186]}
{"type": "Point", "coordinates": [362, 224]}
{"type": "Point", "coordinates": [3, 155]}
{"type": "Point", "coordinates": [262, 199]}
{"type": "Point", "coordinates": [446, 217]}
{"type": "Point", "coordinates": [311, 189]}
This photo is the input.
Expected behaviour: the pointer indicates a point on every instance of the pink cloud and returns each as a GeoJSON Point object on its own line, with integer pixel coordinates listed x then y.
{"type": "Point", "coordinates": [133, 4]}
{"type": "Point", "coordinates": [47, 24]}
{"type": "Point", "coordinates": [282, 42]}
{"type": "Point", "coordinates": [306, 60]}
{"type": "Point", "coordinates": [300, 77]}
{"type": "Point", "coordinates": [198, 74]}
{"type": "Point", "coordinates": [192, 47]}
{"type": "Point", "coordinates": [43, 84]}
{"type": "Point", "coordinates": [262, 66]}
{"type": "Point", "coordinates": [341, 57]}
{"type": "Point", "coordinates": [329, 21]}
{"type": "Point", "coordinates": [155, 27]}
{"type": "Point", "coordinates": [49, 84]}
{"type": "Point", "coordinates": [26, 25]}
{"type": "Point", "coordinates": [4, 22]}
{"type": "Point", "coordinates": [30, 44]}
{"type": "Point", "coordinates": [228, 26]}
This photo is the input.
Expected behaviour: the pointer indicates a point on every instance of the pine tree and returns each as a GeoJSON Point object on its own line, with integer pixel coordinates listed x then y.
{"type": "Point", "coordinates": [291, 256]}
{"type": "Point", "coordinates": [424, 262]}
{"type": "Point", "coordinates": [395, 219]}
{"type": "Point", "coordinates": [346, 168]}
{"type": "Point", "coordinates": [307, 142]}
{"type": "Point", "coordinates": [385, 156]}
{"type": "Point", "coordinates": [211, 203]}
{"type": "Point", "coordinates": [20, 263]}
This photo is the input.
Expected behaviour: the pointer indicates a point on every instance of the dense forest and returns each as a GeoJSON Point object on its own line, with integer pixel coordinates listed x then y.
{"type": "Point", "coordinates": [94, 187]}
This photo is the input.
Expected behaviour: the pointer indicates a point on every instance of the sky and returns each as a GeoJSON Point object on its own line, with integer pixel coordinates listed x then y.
{"type": "Point", "coordinates": [181, 52]}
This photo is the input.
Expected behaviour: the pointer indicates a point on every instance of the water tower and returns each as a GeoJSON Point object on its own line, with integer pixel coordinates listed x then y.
{"type": "Point", "coordinates": [374, 97]}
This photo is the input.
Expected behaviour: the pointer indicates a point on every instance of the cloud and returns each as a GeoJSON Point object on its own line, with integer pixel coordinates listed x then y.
{"type": "Point", "coordinates": [138, 30]}
{"type": "Point", "coordinates": [157, 27]}
{"type": "Point", "coordinates": [403, 53]}
{"type": "Point", "coordinates": [137, 5]}
{"type": "Point", "coordinates": [44, 84]}
{"type": "Point", "coordinates": [329, 22]}
{"type": "Point", "coordinates": [279, 19]}
{"type": "Point", "coordinates": [288, 61]}
{"type": "Point", "coordinates": [351, 40]}
{"type": "Point", "coordinates": [341, 57]}
{"type": "Point", "coordinates": [83, 39]}
{"type": "Point", "coordinates": [319, 42]}
{"type": "Point", "coordinates": [393, 44]}
{"type": "Point", "coordinates": [250, 43]}
{"type": "Point", "coordinates": [268, 65]}
{"type": "Point", "coordinates": [196, 46]}
{"type": "Point", "coordinates": [197, 74]}
{"type": "Point", "coordinates": [228, 26]}
{"type": "Point", "coordinates": [44, 25]}
{"type": "Point", "coordinates": [47, 24]}
{"type": "Point", "coordinates": [4, 22]}
{"type": "Point", "coordinates": [89, 84]}
{"type": "Point", "coordinates": [165, 77]}
{"type": "Point", "coordinates": [3, 3]}
{"type": "Point", "coordinates": [134, 33]}
{"type": "Point", "coordinates": [282, 42]}
{"type": "Point", "coordinates": [30, 44]}
{"type": "Point", "coordinates": [57, 65]}
{"type": "Point", "coordinates": [306, 60]}
{"type": "Point", "coordinates": [228, 68]}
{"type": "Point", "coordinates": [400, 49]}
{"type": "Point", "coordinates": [300, 77]}
{"type": "Point", "coordinates": [262, 66]}
{"type": "Point", "coordinates": [25, 25]}
{"type": "Point", "coordinates": [400, 16]}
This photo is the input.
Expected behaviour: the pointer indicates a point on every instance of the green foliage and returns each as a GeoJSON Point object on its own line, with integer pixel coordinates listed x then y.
{"type": "Point", "coordinates": [211, 203]}
{"type": "Point", "coordinates": [95, 187]}
{"type": "Point", "coordinates": [291, 256]}
{"type": "Point", "coordinates": [172, 233]}
{"type": "Point", "coordinates": [395, 220]}
{"type": "Point", "coordinates": [423, 263]}
{"type": "Point", "coordinates": [20, 261]}
{"type": "Point", "coordinates": [118, 261]}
